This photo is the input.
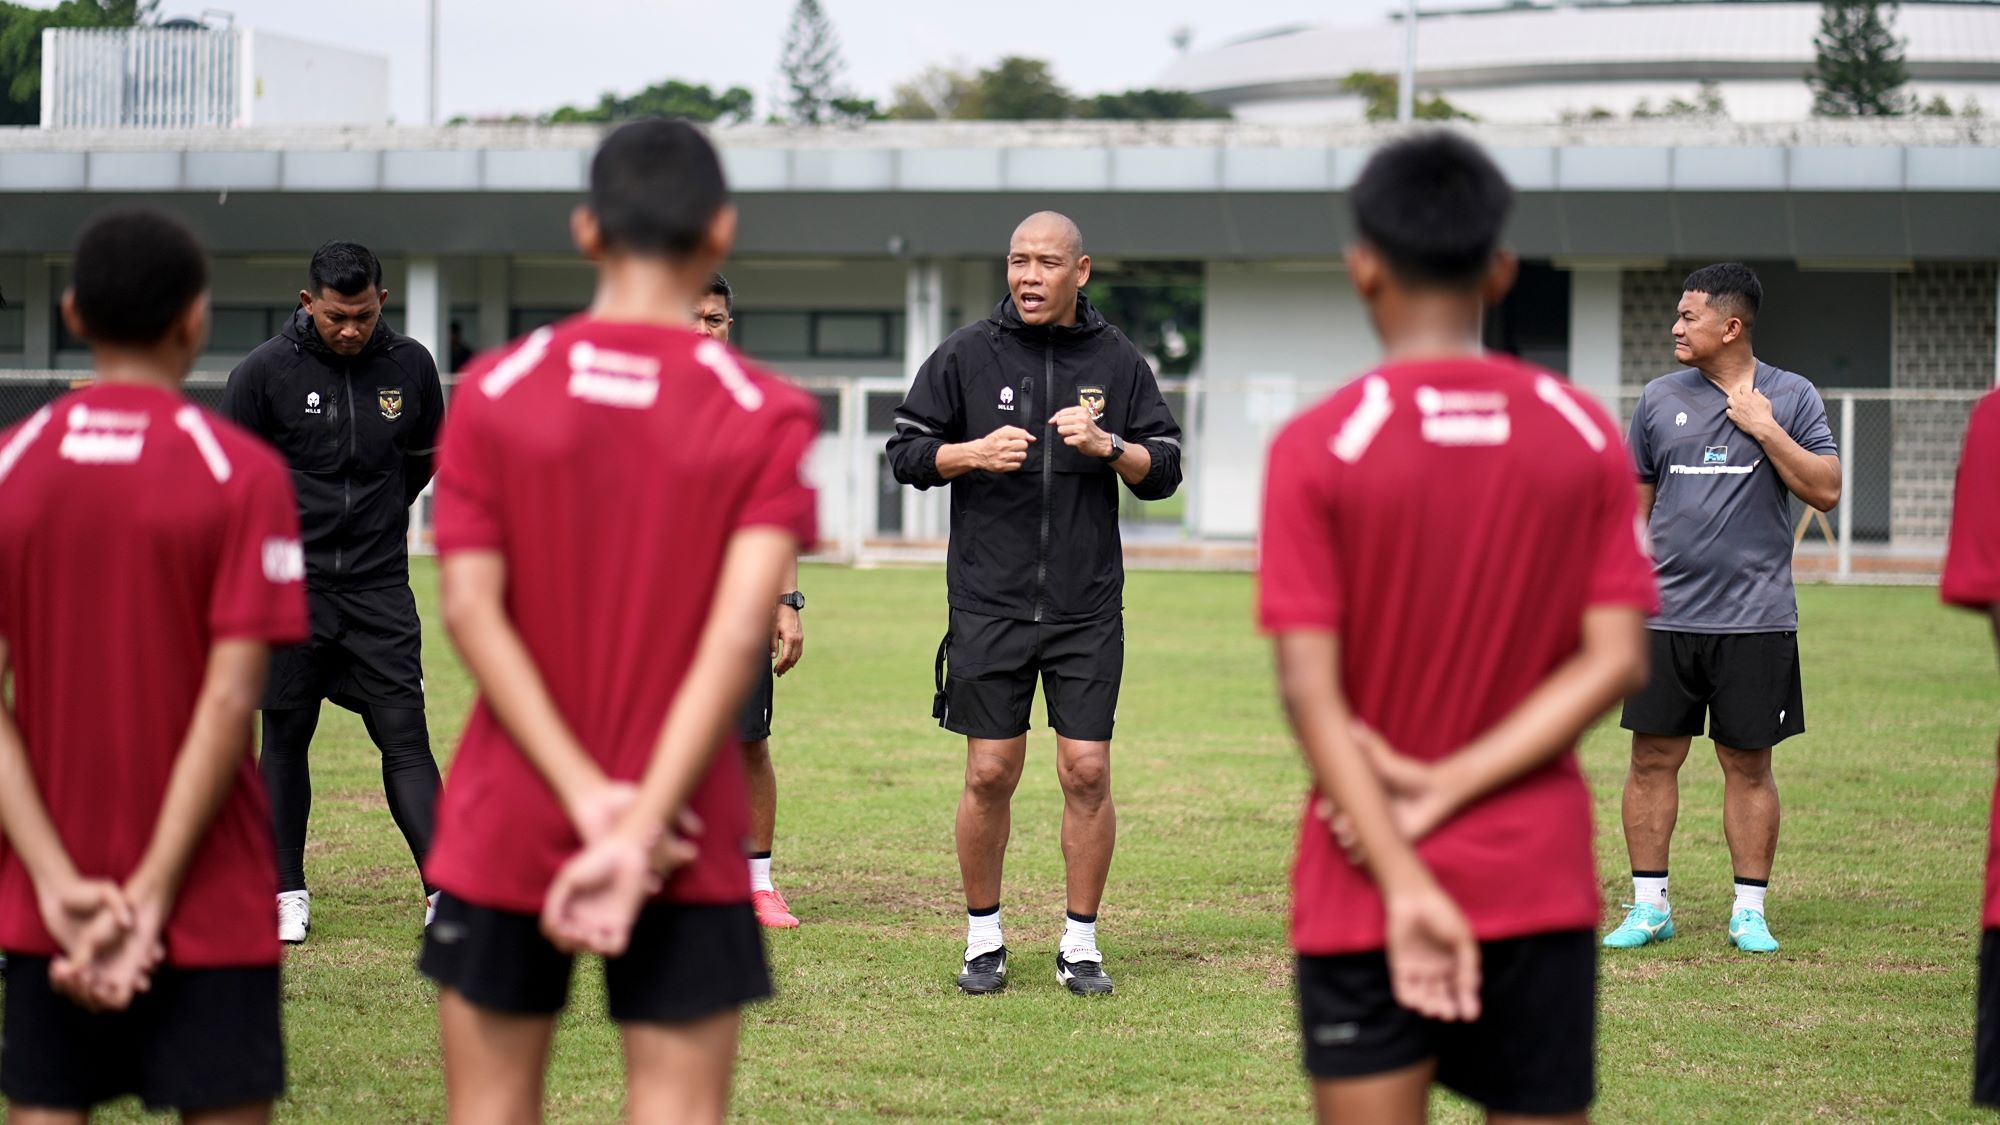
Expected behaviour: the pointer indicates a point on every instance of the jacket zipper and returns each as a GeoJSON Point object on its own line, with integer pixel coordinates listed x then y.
{"type": "Point", "coordinates": [1048, 478]}
{"type": "Point", "coordinates": [347, 475]}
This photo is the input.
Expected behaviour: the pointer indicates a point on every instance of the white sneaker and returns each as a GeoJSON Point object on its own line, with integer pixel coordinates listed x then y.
{"type": "Point", "coordinates": [430, 909]}
{"type": "Point", "coordinates": [294, 916]}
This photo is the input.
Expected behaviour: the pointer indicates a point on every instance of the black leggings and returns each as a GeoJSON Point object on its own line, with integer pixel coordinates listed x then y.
{"type": "Point", "coordinates": [409, 777]}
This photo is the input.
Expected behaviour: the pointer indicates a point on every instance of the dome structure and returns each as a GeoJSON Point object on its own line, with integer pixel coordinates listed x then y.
{"type": "Point", "coordinates": [1541, 62]}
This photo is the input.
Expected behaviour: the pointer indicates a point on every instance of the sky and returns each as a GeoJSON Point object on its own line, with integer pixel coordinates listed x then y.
{"type": "Point", "coordinates": [505, 56]}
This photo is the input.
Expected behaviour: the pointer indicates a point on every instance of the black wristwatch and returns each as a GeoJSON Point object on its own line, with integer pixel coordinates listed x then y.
{"type": "Point", "coordinates": [1117, 449]}
{"type": "Point", "coordinates": [794, 599]}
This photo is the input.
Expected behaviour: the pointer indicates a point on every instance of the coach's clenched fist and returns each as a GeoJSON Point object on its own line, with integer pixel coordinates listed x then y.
{"type": "Point", "coordinates": [1078, 427]}
{"type": "Point", "coordinates": [1004, 450]}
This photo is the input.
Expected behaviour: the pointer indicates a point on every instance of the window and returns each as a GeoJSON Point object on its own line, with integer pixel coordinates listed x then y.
{"type": "Point", "coordinates": [774, 335]}
{"type": "Point", "coordinates": [851, 334]}
{"type": "Point", "coordinates": [791, 334]}
{"type": "Point", "coordinates": [520, 322]}
{"type": "Point", "coordinates": [241, 329]}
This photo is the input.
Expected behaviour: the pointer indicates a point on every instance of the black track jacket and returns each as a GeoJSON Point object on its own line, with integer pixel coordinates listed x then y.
{"type": "Point", "coordinates": [359, 435]}
{"type": "Point", "coordinates": [1041, 543]}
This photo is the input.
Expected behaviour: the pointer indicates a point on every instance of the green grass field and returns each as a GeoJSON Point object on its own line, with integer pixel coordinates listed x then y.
{"type": "Point", "coordinates": [1865, 1016]}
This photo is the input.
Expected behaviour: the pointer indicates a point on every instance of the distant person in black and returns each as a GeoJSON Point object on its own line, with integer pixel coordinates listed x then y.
{"type": "Point", "coordinates": [354, 407]}
{"type": "Point", "coordinates": [1034, 416]}
{"type": "Point", "coordinates": [457, 349]}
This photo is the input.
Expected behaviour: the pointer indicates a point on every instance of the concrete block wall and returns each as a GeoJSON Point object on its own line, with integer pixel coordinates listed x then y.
{"type": "Point", "coordinates": [1645, 324]}
{"type": "Point", "coordinates": [1943, 340]}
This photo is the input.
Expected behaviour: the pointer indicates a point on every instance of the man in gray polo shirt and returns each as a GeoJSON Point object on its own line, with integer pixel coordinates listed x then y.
{"type": "Point", "coordinates": [1721, 448]}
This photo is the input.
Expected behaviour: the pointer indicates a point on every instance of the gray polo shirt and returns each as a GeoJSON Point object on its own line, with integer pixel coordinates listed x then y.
{"type": "Point", "coordinates": [1722, 528]}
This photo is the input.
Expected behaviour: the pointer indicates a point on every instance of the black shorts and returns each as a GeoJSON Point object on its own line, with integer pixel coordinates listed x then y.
{"type": "Point", "coordinates": [1533, 1049]}
{"type": "Point", "coordinates": [686, 961]}
{"type": "Point", "coordinates": [753, 723]}
{"type": "Point", "coordinates": [1745, 684]}
{"type": "Point", "coordinates": [201, 1039]}
{"type": "Point", "coordinates": [1986, 1040]}
{"type": "Point", "coordinates": [987, 668]}
{"type": "Point", "coordinates": [366, 649]}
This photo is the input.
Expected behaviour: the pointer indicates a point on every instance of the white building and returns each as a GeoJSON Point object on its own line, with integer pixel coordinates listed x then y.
{"type": "Point", "coordinates": [1537, 61]}
{"type": "Point", "coordinates": [861, 248]}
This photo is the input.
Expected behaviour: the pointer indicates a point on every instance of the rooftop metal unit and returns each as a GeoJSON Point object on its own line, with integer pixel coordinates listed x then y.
{"type": "Point", "coordinates": [187, 76]}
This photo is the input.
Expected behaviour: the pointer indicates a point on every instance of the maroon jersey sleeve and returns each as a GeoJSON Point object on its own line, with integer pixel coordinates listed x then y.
{"type": "Point", "coordinates": [1298, 566]}
{"type": "Point", "coordinates": [780, 496]}
{"type": "Point", "coordinates": [1622, 573]}
{"type": "Point", "coordinates": [260, 587]}
{"type": "Point", "coordinates": [466, 515]}
{"type": "Point", "coordinates": [1972, 562]}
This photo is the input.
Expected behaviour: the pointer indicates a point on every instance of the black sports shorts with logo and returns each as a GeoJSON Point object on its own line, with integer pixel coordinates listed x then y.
{"type": "Point", "coordinates": [686, 961]}
{"type": "Point", "coordinates": [199, 1039]}
{"type": "Point", "coordinates": [1533, 1049]}
{"type": "Point", "coordinates": [366, 649]}
{"type": "Point", "coordinates": [987, 667]}
{"type": "Point", "coordinates": [1746, 685]}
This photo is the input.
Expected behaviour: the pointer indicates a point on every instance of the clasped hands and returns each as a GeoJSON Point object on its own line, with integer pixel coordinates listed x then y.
{"type": "Point", "coordinates": [598, 892]}
{"type": "Point", "coordinates": [110, 939]}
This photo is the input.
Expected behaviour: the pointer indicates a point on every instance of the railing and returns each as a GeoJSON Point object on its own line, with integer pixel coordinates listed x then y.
{"type": "Point", "coordinates": [1899, 455]}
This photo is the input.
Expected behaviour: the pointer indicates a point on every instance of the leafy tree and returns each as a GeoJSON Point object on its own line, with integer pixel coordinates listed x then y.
{"type": "Point", "coordinates": [809, 72]}
{"type": "Point", "coordinates": [1378, 92]}
{"type": "Point", "coordinates": [1148, 105]}
{"type": "Point", "coordinates": [1580, 116]}
{"type": "Point", "coordinates": [1858, 70]}
{"type": "Point", "coordinates": [1017, 89]}
{"type": "Point", "coordinates": [936, 93]}
{"type": "Point", "coordinates": [1023, 89]}
{"type": "Point", "coordinates": [858, 109]}
{"type": "Point", "coordinates": [1936, 107]}
{"type": "Point", "coordinates": [1707, 105]}
{"type": "Point", "coordinates": [671, 98]}
{"type": "Point", "coordinates": [21, 30]}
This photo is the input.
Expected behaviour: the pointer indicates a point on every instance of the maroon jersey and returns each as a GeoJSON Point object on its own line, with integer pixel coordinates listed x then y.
{"type": "Point", "coordinates": [1451, 521]}
{"type": "Point", "coordinates": [136, 531]}
{"type": "Point", "coordinates": [609, 464]}
{"type": "Point", "coordinates": [1972, 569]}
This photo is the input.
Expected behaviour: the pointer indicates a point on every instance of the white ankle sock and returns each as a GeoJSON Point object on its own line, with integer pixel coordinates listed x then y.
{"type": "Point", "coordinates": [1079, 938]}
{"type": "Point", "coordinates": [1650, 890]}
{"type": "Point", "coordinates": [982, 933]}
{"type": "Point", "coordinates": [760, 873]}
{"type": "Point", "coordinates": [1750, 896]}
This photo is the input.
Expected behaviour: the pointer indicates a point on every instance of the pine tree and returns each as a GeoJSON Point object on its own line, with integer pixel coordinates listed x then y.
{"type": "Point", "coordinates": [1859, 69]}
{"type": "Point", "coordinates": [809, 71]}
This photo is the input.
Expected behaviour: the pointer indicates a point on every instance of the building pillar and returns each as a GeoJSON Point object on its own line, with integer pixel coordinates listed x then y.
{"type": "Point", "coordinates": [925, 515]}
{"type": "Point", "coordinates": [495, 297]}
{"type": "Point", "coordinates": [38, 305]}
{"type": "Point", "coordinates": [923, 313]}
{"type": "Point", "coordinates": [425, 308]}
{"type": "Point", "coordinates": [1595, 308]}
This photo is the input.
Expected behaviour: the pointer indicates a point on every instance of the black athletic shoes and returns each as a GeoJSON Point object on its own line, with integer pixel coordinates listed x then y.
{"type": "Point", "coordinates": [984, 974]}
{"type": "Point", "coordinates": [1085, 978]}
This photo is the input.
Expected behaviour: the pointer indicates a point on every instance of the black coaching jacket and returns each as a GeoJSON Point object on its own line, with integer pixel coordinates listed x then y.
{"type": "Point", "coordinates": [1041, 543]}
{"type": "Point", "coordinates": [359, 435]}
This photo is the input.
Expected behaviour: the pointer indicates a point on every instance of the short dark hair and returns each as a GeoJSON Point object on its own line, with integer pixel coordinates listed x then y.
{"type": "Point", "coordinates": [718, 286]}
{"type": "Point", "coordinates": [1732, 289]}
{"type": "Point", "coordinates": [1434, 205]}
{"type": "Point", "coordinates": [655, 186]}
{"type": "Point", "coordinates": [348, 269]}
{"type": "Point", "coordinates": [134, 273]}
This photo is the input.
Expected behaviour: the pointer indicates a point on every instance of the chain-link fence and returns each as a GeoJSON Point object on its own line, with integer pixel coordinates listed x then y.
{"type": "Point", "coordinates": [1899, 454]}
{"type": "Point", "coordinates": [1898, 459]}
